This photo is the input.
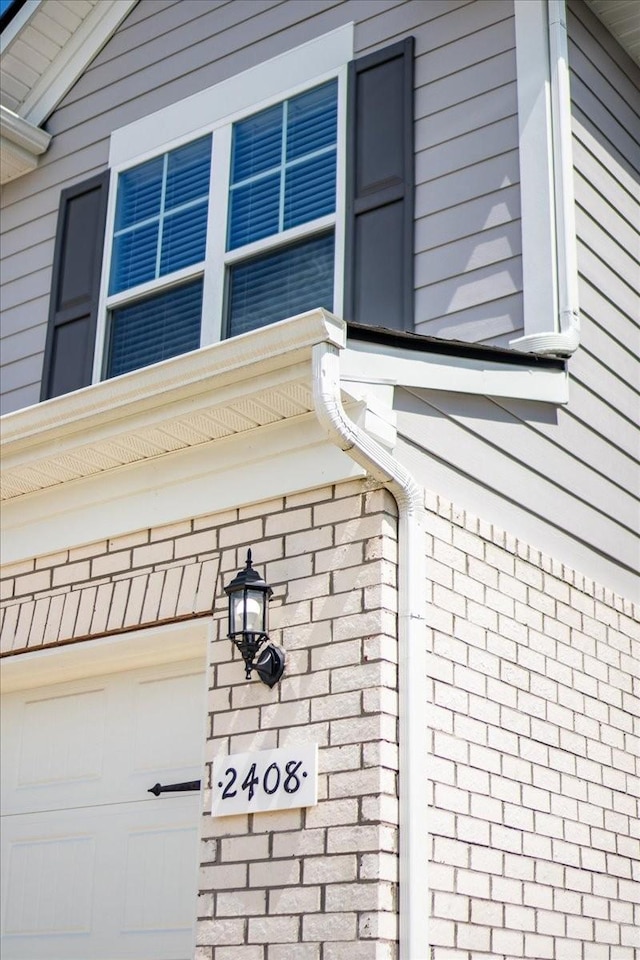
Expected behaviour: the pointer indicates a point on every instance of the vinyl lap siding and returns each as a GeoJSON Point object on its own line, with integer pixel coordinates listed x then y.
{"type": "Point", "coordinates": [467, 210]}
{"type": "Point", "coordinates": [468, 246]}
{"type": "Point", "coordinates": [566, 479]}
{"type": "Point", "coordinates": [163, 51]}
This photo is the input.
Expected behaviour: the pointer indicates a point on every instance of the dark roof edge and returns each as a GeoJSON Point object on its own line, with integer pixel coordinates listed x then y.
{"type": "Point", "coordinates": [10, 12]}
{"type": "Point", "coordinates": [451, 348]}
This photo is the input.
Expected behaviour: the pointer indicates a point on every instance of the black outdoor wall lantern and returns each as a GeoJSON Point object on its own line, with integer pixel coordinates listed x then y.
{"type": "Point", "coordinates": [249, 597]}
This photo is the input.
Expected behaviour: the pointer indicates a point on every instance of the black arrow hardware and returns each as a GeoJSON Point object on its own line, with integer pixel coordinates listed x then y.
{"type": "Point", "coordinates": [159, 788]}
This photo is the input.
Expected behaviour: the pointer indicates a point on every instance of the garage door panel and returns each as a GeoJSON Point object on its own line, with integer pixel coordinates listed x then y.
{"type": "Point", "coordinates": [166, 737]}
{"type": "Point", "coordinates": [36, 903]}
{"type": "Point", "coordinates": [62, 739]}
{"type": "Point", "coordinates": [92, 864]}
{"type": "Point", "coordinates": [159, 884]}
{"type": "Point", "coordinates": [115, 882]}
{"type": "Point", "coordinates": [84, 743]}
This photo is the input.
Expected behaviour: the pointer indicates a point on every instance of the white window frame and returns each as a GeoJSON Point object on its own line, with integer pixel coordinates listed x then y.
{"type": "Point", "coordinates": [214, 111]}
{"type": "Point", "coordinates": [549, 262]}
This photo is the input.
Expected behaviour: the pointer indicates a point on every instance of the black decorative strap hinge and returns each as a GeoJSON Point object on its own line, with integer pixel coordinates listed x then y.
{"type": "Point", "coordinates": [159, 788]}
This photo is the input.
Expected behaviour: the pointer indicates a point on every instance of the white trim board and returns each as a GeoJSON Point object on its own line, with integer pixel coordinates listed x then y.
{"type": "Point", "coordinates": [375, 363]}
{"type": "Point", "coordinates": [172, 643]}
{"type": "Point", "coordinates": [74, 58]}
{"type": "Point", "coordinates": [283, 75]}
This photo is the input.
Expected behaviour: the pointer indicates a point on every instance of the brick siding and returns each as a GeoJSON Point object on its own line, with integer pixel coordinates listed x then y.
{"type": "Point", "coordinates": [534, 739]}
{"type": "Point", "coordinates": [533, 736]}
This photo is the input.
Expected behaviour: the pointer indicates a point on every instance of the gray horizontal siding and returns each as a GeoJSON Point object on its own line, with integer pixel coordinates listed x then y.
{"type": "Point", "coordinates": [467, 211]}
{"type": "Point", "coordinates": [494, 459]}
{"type": "Point", "coordinates": [566, 479]}
{"type": "Point", "coordinates": [468, 248]}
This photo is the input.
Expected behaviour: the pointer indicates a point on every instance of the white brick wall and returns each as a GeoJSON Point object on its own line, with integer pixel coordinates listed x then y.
{"type": "Point", "coordinates": [318, 883]}
{"type": "Point", "coordinates": [533, 739]}
{"type": "Point", "coordinates": [535, 710]}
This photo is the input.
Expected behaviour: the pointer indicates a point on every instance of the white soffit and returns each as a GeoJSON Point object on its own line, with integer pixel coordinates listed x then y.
{"type": "Point", "coordinates": [622, 20]}
{"type": "Point", "coordinates": [43, 51]}
{"type": "Point", "coordinates": [47, 46]}
{"type": "Point", "coordinates": [231, 387]}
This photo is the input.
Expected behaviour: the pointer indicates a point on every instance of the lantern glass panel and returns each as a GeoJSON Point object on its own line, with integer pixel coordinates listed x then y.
{"type": "Point", "coordinates": [247, 611]}
{"type": "Point", "coordinates": [256, 607]}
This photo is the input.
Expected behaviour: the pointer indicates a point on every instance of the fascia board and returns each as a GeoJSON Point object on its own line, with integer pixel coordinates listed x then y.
{"type": "Point", "coordinates": [375, 363]}
{"type": "Point", "coordinates": [77, 54]}
{"type": "Point", "coordinates": [156, 388]}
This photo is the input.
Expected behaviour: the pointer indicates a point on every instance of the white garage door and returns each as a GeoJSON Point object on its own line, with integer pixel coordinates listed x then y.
{"type": "Point", "coordinates": [93, 866]}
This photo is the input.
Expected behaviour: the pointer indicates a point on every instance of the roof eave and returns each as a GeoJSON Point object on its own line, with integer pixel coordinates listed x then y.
{"type": "Point", "coordinates": [22, 139]}
{"type": "Point", "coordinates": [21, 144]}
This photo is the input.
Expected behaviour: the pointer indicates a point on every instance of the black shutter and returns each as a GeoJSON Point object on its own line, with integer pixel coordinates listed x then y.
{"type": "Point", "coordinates": [379, 227]}
{"type": "Point", "coordinates": [75, 287]}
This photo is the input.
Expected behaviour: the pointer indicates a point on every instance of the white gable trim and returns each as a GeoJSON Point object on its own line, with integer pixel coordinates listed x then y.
{"type": "Point", "coordinates": [21, 141]}
{"type": "Point", "coordinates": [77, 54]}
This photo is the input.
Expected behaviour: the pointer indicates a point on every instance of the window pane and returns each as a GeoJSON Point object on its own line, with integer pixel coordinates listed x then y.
{"type": "Point", "coordinates": [282, 284]}
{"type": "Point", "coordinates": [155, 329]}
{"type": "Point", "coordinates": [139, 193]}
{"type": "Point", "coordinates": [188, 170]}
{"type": "Point", "coordinates": [133, 259]}
{"type": "Point", "coordinates": [301, 188]}
{"type": "Point", "coordinates": [254, 211]}
{"type": "Point", "coordinates": [257, 144]}
{"type": "Point", "coordinates": [310, 190]}
{"type": "Point", "coordinates": [184, 238]}
{"type": "Point", "coordinates": [147, 196]}
{"type": "Point", "coordinates": [312, 121]}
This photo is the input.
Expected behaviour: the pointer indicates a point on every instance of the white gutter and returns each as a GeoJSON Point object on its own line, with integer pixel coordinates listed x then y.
{"type": "Point", "coordinates": [21, 143]}
{"type": "Point", "coordinates": [412, 662]}
{"type": "Point", "coordinates": [565, 338]}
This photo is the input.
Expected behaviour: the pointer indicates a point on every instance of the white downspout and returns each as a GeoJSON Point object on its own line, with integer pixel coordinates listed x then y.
{"type": "Point", "coordinates": [569, 314]}
{"type": "Point", "coordinates": [565, 338]}
{"type": "Point", "coordinates": [412, 662]}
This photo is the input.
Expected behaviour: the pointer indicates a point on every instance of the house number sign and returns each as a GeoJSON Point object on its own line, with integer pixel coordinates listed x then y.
{"type": "Point", "coordinates": [265, 780]}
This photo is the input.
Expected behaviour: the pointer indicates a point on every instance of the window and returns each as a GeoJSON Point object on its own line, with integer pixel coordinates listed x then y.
{"type": "Point", "coordinates": [232, 228]}
{"type": "Point", "coordinates": [283, 176]}
{"type": "Point", "coordinates": [247, 203]}
{"type": "Point", "coordinates": [160, 231]}
{"type": "Point", "coordinates": [281, 186]}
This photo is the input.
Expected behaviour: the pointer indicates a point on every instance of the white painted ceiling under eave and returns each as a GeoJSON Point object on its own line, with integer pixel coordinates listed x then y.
{"type": "Point", "coordinates": [622, 20]}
